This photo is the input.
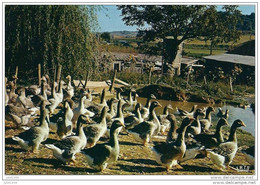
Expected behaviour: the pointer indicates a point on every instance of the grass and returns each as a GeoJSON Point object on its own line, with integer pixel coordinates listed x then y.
{"type": "Point", "coordinates": [202, 52]}
{"type": "Point", "coordinates": [243, 38]}
{"type": "Point", "coordinates": [194, 48]}
{"type": "Point", "coordinates": [134, 159]}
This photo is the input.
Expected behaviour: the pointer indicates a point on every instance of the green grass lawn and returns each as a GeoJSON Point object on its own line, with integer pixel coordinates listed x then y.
{"type": "Point", "coordinates": [203, 51]}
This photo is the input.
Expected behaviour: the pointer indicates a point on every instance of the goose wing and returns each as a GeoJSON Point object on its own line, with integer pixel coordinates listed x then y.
{"type": "Point", "coordinates": [225, 149]}
{"type": "Point", "coordinates": [100, 153]}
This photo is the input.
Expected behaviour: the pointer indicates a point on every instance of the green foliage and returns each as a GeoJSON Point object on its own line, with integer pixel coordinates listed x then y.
{"type": "Point", "coordinates": [50, 35]}
{"type": "Point", "coordinates": [170, 25]}
{"type": "Point", "coordinates": [106, 36]}
{"type": "Point", "coordinates": [220, 27]}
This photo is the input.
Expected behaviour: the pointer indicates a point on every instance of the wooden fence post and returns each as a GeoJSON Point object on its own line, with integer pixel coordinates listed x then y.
{"type": "Point", "coordinates": [113, 81]}
{"type": "Point", "coordinates": [150, 76]}
{"type": "Point", "coordinates": [59, 73]}
{"type": "Point", "coordinates": [86, 79]}
{"type": "Point", "coordinates": [205, 80]}
{"type": "Point", "coordinates": [39, 74]}
{"type": "Point", "coordinates": [230, 83]}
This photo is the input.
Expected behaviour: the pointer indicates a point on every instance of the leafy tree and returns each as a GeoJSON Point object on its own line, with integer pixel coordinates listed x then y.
{"type": "Point", "coordinates": [50, 35]}
{"type": "Point", "coordinates": [106, 36]}
{"type": "Point", "coordinates": [170, 24]}
{"type": "Point", "coordinates": [220, 27]}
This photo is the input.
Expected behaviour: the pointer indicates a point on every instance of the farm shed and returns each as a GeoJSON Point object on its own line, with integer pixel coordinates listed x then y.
{"type": "Point", "coordinates": [227, 63]}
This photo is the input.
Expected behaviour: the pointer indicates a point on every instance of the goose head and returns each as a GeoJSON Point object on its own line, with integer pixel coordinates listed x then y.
{"type": "Point", "coordinates": [115, 125]}
{"type": "Point", "coordinates": [152, 96]}
{"type": "Point", "coordinates": [171, 117]}
{"type": "Point", "coordinates": [238, 123]}
{"type": "Point", "coordinates": [155, 104]}
{"type": "Point", "coordinates": [169, 107]}
{"type": "Point", "coordinates": [222, 122]}
{"type": "Point", "coordinates": [186, 122]}
{"type": "Point", "coordinates": [210, 109]}
{"type": "Point", "coordinates": [199, 112]}
{"type": "Point", "coordinates": [68, 77]}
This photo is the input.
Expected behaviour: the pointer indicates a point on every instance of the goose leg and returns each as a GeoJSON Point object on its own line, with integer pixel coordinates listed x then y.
{"type": "Point", "coordinates": [168, 168]}
{"type": "Point", "coordinates": [177, 166]}
{"type": "Point", "coordinates": [35, 148]}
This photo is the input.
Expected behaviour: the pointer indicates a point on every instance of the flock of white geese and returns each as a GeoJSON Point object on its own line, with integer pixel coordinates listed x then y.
{"type": "Point", "coordinates": [80, 123]}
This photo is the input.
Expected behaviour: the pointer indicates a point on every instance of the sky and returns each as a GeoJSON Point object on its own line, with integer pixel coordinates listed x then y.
{"type": "Point", "coordinates": [110, 20]}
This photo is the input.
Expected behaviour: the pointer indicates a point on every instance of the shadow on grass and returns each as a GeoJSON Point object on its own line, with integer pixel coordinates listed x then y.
{"type": "Point", "coordinates": [129, 143]}
{"type": "Point", "coordinates": [15, 149]}
{"type": "Point", "coordinates": [10, 141]}
{"type": "Point", "coordinates": [51, 161]}
{"type": "Point", "coordinates": [140, 169]}
{"type": "Point", "coordinates": [79, 169]}
{"type": "Point", "coordinates": [192, 168]}
{"type": "Point", "coordinates": [141, 161]}
{"type": "Point", "coordinates": [58, 164]}
{"type": "Point", "coordinates": [49, 141]}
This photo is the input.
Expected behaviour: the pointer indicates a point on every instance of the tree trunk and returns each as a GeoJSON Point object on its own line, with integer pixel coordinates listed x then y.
{"type": "Point", "coordinates": [172, 56]}
{"type": "Point", "coordinates": [211, 48]}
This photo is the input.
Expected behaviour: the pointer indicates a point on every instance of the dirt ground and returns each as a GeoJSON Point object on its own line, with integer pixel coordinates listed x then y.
{"type": "Point", "coordinates": [134, 159]}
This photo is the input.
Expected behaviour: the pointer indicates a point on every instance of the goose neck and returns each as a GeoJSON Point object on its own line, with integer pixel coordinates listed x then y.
{"type": "Point", "coordinates": [147, 104]}
{"type": "Point", "coordinates": [81, 105]}
{"type": "Point", "coordinates": [218, 134]}
{"type": "Point", "coordinates": [180, 138]}
{"type": "Point", "coordinates": [113, 142]}
{"type": "Point", "coordinates": [138, 114]}
{"type": "Point", "coordinates": [119, 111]}
{"type": "Point", "coordinates": [111, 109]}
{"type": "Point", "coordinates": [232, 135]}
{"type": "Point", "coordinates": [152, 113]}
{"type": "Point", "coordinates": [102, 100]}
{"type": "Point", "coordinates": [172, 132]}
{"type": "Point", "coordinates": [103, 117]}
{"type": "Point", "coordinates": [208, 115]}
{"type": "Point", "coordinates": [81, 133]}
{"type": "Point", "coordinates": [165, 111]}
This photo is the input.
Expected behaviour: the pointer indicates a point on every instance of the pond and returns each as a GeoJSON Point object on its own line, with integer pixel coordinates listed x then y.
{"type": "Point", "coordinates": [245, 115]}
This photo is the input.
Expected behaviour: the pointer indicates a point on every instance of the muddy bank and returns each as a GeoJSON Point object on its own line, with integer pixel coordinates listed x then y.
{"type": "Point", "coordinates": [169, 93]}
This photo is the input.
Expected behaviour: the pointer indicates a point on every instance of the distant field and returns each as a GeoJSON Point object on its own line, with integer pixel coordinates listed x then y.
{"type": "Point", "coordinates": [203, 51]}
{"type": "Point", "coordinates": [243, 38]}
{"type": "Point", "coordinates": [196, 47]}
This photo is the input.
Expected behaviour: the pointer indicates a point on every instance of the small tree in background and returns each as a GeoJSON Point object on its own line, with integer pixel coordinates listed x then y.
{"type": "Point", "coordinates": [106, 36]}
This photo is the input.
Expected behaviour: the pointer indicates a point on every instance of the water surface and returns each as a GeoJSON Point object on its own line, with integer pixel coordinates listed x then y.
{"type": "Point", "coordinates": [245, 115]}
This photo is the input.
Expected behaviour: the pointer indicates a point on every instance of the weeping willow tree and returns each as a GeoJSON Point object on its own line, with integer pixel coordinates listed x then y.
{"type": "Point", "coordinates": [50, 35]}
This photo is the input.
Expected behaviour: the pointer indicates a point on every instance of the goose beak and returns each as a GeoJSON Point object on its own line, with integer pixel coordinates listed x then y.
{"type": "Point", "coordinates": [122, 124]}
{"type": "Point", "coordinates": [243, 124]}
{"type": "Point", "coordinates": [159, 105]}
{"type": "Point", "coordinates": [226, 123]}
{"type": "Point", "coordinates": [152, 96]}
